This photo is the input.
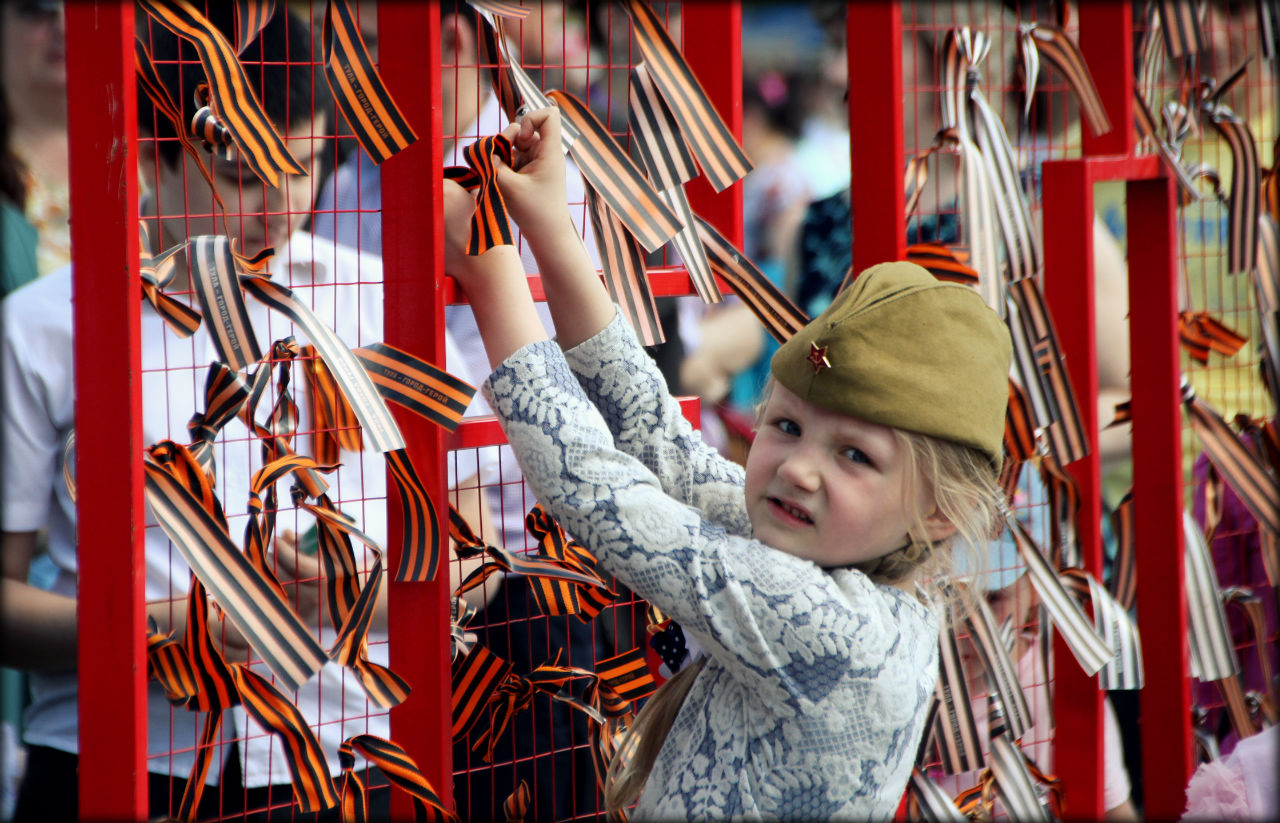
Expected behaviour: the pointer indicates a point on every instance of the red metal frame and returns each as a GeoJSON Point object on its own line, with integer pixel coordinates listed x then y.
{"type": "Point", "coordinates": [717, 63]}
{"type": "Point", "coordinates": [876, 155]}
{"type": "Point", "coordinates": [413, 265]}
{"type": "Point", "coordinates": [111, 618]}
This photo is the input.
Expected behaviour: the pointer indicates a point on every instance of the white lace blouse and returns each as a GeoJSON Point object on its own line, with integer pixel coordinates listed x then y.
{"type": "Point", "coordinates": [813, 702]}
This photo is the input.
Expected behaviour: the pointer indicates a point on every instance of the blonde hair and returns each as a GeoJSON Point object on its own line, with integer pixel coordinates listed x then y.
{"type": "Point", "coordinates": [964, 487]}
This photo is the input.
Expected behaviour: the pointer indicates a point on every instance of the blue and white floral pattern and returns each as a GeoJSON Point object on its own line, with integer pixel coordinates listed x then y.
{"type": "Point", "coordinates": [812, 704]}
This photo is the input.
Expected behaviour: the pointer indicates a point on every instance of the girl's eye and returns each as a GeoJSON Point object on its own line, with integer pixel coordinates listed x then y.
{"type": "Point", "coordinates": [787, 426]}
{"type": "Point", "coordinates": [856, 455]}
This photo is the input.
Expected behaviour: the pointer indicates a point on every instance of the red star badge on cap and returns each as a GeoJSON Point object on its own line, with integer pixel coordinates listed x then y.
{"type": "Point", "coordinates": [818, 357]}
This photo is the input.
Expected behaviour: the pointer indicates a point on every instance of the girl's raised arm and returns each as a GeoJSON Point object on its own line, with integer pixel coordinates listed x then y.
{"type": "Point", "coordinates": [495, 282]}
{"type": "Point", "coordinates": [535, 196]}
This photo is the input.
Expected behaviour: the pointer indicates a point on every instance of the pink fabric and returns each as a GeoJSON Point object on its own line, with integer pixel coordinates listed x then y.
{"type": "Point", "coordinates": [1217, 792]}
{"type": "Point", "coordinates": [1241, 786]}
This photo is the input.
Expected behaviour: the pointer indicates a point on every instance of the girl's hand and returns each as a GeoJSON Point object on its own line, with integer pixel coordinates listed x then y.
{"type": "Point", "coordinates": [534, 190]}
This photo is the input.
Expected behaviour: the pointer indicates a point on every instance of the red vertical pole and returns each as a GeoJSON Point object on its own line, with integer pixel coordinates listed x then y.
{"type": "Point", "coordinates": [413, 266]}
{"type": "Point", "coordinates": [874, 37]}
{"type": "Point", "coordinates": [1068, 284]}
{"type": "Point", "coordinates": [1158, 498]}
{"type": "Point", "coordinates": [1106, 40]}
{"type": "Point", "coordinates": [717, 63]}
{"type": "Point", "coordinates": [102, 125]}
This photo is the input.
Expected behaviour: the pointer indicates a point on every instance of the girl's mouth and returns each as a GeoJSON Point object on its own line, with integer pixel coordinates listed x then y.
{"type": "Point", "coordinates": [789, 513]}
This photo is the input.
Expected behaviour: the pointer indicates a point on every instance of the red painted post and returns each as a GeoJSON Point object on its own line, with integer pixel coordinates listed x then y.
{"type": "Point", "coordinates": [413, 261]}
{"type": "Point", "coordinates": [1158, 498]}
{"type": "Point", "coordinates": [1069, 290]}
{"type": "Point", "coordinates": [874, 35]}
{"type": "Point", "coordinates": [102, 125]}
{"type": "Point", "coordinates": [1106, 40]}
{"type": "Point", "coordinates": [717, 63]}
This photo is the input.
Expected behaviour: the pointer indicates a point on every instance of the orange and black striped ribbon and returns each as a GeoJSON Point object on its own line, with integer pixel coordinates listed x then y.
{"type": "Point", "coordinates": [216, 690]}
{"type": "Point", "coordinates": [929, 801]}
{"type": "Point", "coordinates": [224, 394]}
{"type": "Point", "coordinates": [154, 88]}
{"type": "Point", "coordinates": [215, 282]}
{"type": "Point", "coordinates": [376, 420]}
{"type": "Point", "coordinates": [978, 802]}
{"type": "Point", "coordinates": [718, 153]}
{"type": "Point", "coordinates": [516, 807]}
{"type": "Point", "coordinates": [420, 551]}
{"type": "Point", "coordinates": [774, 309]}
{"type": "Point", "coordinates": [1271, 183]}
{"type": "Point", "coordinates": [1002, 674]}
{"type": "Point", "coordinates": [1124, 580]}
{"type": "Point", "coordinates": [516, 91]}
{"type": "Point", "coordinates": [252, 604]}
{"type": "Point", "coordinates": [252, 17]}
{"type": "Point", "coordinates": [419, 386]}
{"type": "Point", "coordinates": [167, 664]}
{"type": "Point", "coordinates": [1201, 333]}
{"type": "Point", "coordinates": [1266, 289]}
{"type": "Point", "coordinates": [1213, 653]}
{"type": "Point", "coordinates": [1019, 427]}
{"type": "Point", "coordinates": [502, 8]}
{"type": "Point", "coordinates": [334, 422]}
{"type": "Point", "coordinates": [627, 674]}
{"type": "Point", "coordinates": [401, 771]}
{"type": "Point", "coordinates": [1064, 508]}
{"type": "Point", "coordinates": [1089, 649]}
{"type": "Point", "coordinates": [312, 786]}
{"type": "Point", "coordinates": [337, 559]}
{"type": "Point", "coordinates": [622, 263]}
{"type": "Point", "coordinates": [511, 697]}
{"type": "Point", "coordinates": [231, 93]}
{"type": "Point", "coordinates": [475, 677]}
{"type": "Point", "coordinates": [489, 224]}
{"type": "Point", "coordinates": [1245, 198]}
{"type": "Point", "coordinates": [963, 50]}
{"type": "Point", "coordinates": [1251, 605]}
{"type": "Point", "coordinates": [1180, 22]}
{"type": "Point", "coordinates": [558, 596]}
{"type": "Point", "coordinates": [214, 137]}
{"type": "Point", "coordinates": [1248, 477]}
{"type": "Point", "coordinates": [358, 90]}
{"type": "Point", "coordinates": [1013, 216]}
{"type": "Point", "coordinates": [1014, 784]}
{"type": "Point", "coordinates": [554, 680]}
{"type": "Point", "coordinates": [157, 273]}
{"type": "Point", "coordinates": [350, 649]}
{"type": "Point", "coordinates": [943, 262]}
{"type": "Point", "coordinates": [1145, 124]}
{"type": "Point", "coordinates": [1124, 670]}
{"type": "Point", "coordinates": [1052, 43]}
{"type": "Point", "coordinates": [663, 152]}
{"type": "Point", "coordinates": [615, 176]}
{"type": "Point", "coordinates": [669, 164]}
{"type": "Point", "coordinates": [959, 744]}
{"type": "Point", "coordinates": [517, 563]}
{"type": "Point", "coordinates": [1035, 336]}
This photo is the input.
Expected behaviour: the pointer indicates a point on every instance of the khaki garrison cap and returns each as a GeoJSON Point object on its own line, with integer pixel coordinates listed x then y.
{"type": "Point", "coordinates": [902, 349]}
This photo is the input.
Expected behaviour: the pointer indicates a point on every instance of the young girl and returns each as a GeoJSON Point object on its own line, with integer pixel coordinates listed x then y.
{"type": "Point", "coordinates": [806, 578]}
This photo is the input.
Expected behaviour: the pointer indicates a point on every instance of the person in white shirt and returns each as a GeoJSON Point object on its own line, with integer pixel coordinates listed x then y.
{"type": "Point", "coordinates": [344, 289]}
{"type": "Point", "coordinates": [349, 210]}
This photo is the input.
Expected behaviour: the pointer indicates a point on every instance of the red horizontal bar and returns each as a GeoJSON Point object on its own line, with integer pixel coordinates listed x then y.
{"type": "Point", "coordinates": [484, 430]}
{"type": "Point", "coordinates": [671, 281]}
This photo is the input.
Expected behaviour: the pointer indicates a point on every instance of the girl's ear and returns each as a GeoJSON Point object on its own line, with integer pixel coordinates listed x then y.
{"type": "Point", "coordinates": [938, 526]}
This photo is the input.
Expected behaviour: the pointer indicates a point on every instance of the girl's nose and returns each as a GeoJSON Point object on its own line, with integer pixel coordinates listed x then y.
{"type": "Point", "coordinates": [800, 468]}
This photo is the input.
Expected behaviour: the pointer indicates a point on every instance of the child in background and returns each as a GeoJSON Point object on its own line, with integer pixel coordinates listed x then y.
{"type": "Point", "coordinates": [808, 576]}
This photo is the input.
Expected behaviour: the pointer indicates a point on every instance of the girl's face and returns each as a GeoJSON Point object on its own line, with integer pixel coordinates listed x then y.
{"type": "Point", "coordinates": [830, 488]}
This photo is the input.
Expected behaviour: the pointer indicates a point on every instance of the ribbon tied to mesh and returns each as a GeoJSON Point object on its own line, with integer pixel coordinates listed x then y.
{"type": "Point", "coordinates": [401, 771]}
{"type": "Point", "coordinates": [489, 224]}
